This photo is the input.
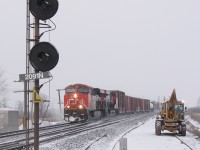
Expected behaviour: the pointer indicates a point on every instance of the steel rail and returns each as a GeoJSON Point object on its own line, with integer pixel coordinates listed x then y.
{"type": "Point", "coordinates": [183, 142]}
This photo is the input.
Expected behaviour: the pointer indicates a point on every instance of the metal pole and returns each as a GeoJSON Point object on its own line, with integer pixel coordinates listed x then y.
{"type": "Point", "coordinates": [36, 105]}
{"type": "Point", "coordinates": [26, 83]}
{"type": "Point", "coordinates": [25, 114]}
{"type": "Point", "coordinates": [25, 107]}
{"type": "Point", "coordinates": [60, 103]}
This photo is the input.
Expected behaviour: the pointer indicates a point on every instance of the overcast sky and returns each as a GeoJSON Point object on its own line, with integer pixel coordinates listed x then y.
{"type": "Point", "coordinates": [145, 48]}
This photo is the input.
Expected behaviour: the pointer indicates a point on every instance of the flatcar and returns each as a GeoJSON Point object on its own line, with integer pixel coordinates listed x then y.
{"type": "Point", "coordinates": [81, 100]}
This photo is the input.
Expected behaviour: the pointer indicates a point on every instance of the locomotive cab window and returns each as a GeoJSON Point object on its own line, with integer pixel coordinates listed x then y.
{"type": "Point", "coordinates": [70, 90]}
{"type": "Point", "coordinates": [83, 90]}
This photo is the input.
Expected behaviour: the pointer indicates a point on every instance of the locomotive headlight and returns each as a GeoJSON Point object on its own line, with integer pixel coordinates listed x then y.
{"type": "Point", "coordinates": [75, 95]}
{"type": "Point", "coordinates": [80, 106]}
{"type": "Point", "coordinates": [68, 106]}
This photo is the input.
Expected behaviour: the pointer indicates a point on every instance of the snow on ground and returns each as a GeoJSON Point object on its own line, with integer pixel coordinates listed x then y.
{"type": "Point", "coordinates": [141, 138]}
{"type": "Point", "coordinates": [144, 138]}
{"type": "Point", "coordinates": [42, 124]}
{"type": "Point", "coordinates": [193, 122]}
{"type": "Point", "coordinates": [83, 140]}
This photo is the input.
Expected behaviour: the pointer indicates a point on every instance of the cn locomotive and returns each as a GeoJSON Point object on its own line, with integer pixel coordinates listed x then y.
{"type": "Point", "coordinates": [82, 101]}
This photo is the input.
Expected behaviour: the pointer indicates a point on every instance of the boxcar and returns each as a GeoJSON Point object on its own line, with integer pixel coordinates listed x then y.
{"type": "Point", "coordinates": [118, 99]}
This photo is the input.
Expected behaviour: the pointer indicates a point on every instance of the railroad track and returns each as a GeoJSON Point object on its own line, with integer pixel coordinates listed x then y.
{"type": "Point", "coordinates": [136, 119]}
{"type": "Point", "coordinates": [53, 127]}
{"type": "Point", "coordinates": [127, 133]}
{"type": "Point", "coordinates": [183, 142]}
{"type": "Point", "coordinates": [8, 137]}
{"type": "Point", "coordinates": [18, 132]}
{"type": "Point", "coordinates": [59, 133]}
{"type": "Point", "coordinates": [191, 128]}
{"type": "Point", "coordinates": [105, 123]}
{"type": "Point", "coordinates": [19, 141]}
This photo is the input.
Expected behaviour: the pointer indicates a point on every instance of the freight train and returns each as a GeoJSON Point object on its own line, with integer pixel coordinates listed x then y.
{"type": "Point", "coordinates": [81, 100]}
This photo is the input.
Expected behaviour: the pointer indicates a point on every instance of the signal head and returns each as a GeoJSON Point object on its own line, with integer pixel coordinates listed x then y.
{"type": "Point", "coordinates": [43, 56]}
{"type": "Point", "coordinates": [43, 9]}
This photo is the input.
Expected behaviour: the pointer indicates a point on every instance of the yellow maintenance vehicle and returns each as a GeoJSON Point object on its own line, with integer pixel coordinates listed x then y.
{"type": "Point", "coordinates": [171, 117]}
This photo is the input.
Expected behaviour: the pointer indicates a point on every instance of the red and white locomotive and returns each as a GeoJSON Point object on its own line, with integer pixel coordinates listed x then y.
{"type": "Point", "coordinates": [81, 100]}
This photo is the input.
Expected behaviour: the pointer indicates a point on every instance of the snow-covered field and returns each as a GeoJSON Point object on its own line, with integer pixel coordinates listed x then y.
{"type": "Point", "coordinates": [141, 138]}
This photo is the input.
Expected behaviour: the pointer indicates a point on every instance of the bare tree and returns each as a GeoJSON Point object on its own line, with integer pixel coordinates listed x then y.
{"type": "Point", "coordinates": [48, 110]}
{"type": "Point", "coordinates": [3, 89]}
{"type": "Point", "coordinates": [44, 106]}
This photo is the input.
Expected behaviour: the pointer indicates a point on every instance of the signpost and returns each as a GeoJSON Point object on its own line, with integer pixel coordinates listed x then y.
{"type": "Point", "coordinates": [34, 76]}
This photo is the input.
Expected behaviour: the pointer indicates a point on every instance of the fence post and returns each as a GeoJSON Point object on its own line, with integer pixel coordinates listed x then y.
{"type": "Point", "coordinates": [123, 144]}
